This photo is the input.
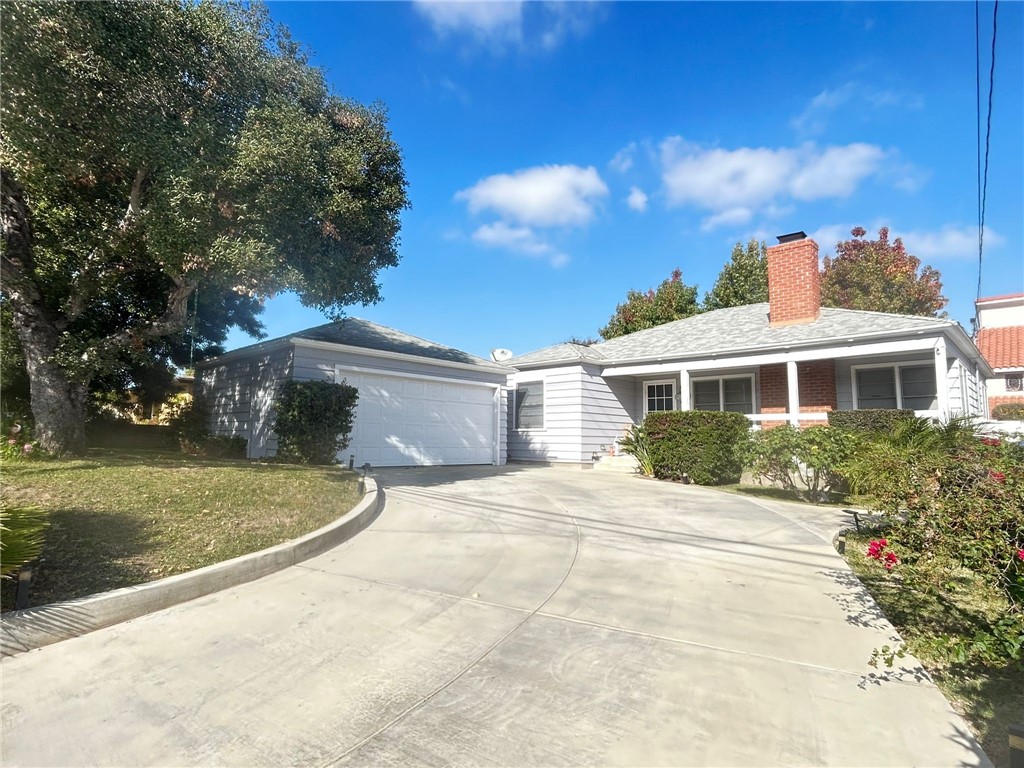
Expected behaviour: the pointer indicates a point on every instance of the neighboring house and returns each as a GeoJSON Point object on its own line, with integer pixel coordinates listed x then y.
{"type": "Point", "coordinates": [1000, 338]}
{"type": "Point", "coordinates": [419, 402]}
{"type": "Point", "coordinates": [789, 360]}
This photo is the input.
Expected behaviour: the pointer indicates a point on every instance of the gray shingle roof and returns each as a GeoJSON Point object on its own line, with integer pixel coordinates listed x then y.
{"type": "Point", "coordinates": [740, 329]}
{"type": "Point", "coordinates": [356, 332]}
{"type": "Point", "coordinates": [558, 353]}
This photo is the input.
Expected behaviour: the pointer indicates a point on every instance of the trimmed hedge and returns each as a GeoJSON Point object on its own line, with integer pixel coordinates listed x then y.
{"type": "Point", "coordinates": [313, 420]}
{"type": "Point", "coordinates": [1009, 412]}
{"type": "Point", "coordinates": [869, 420]}
{"type": "Point", "coordinates": [704, 447]}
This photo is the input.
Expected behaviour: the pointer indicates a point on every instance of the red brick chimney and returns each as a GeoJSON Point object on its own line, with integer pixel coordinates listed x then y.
{"type": "Point", "coordinates": [794, 284]}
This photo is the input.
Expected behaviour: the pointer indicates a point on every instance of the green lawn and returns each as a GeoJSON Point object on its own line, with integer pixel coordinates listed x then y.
{"type": "Point", "coordinates": [119, 518]}
{"type": "Point", "coordinates": [990, 699]}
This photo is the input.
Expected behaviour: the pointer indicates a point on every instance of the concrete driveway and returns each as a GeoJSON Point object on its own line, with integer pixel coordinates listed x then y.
{"type": "Point", "coordinates": [520, 617]}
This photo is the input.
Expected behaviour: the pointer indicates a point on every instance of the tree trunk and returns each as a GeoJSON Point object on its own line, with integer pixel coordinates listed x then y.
{"type": "Point", "coordinates": [58, 401]}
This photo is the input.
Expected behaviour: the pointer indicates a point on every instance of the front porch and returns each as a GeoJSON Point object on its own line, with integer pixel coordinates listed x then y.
{"type": "Point", "coordinates": [800, 387]}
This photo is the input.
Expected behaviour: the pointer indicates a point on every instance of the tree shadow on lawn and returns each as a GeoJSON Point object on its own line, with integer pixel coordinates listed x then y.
{"type": "Point", "coordinates": [88, 552]}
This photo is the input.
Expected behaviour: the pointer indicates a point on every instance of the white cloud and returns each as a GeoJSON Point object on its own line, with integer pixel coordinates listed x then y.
{"type": "Point", "coordinates": [623, 159]}
{"type": "Point", "coordinates": [485, 22]}
{"type": "Point", "coordinates": [637, 199]}
{"type": "Point", "coordinates": [737, 184]}
{"type": "Point", "coordinates": [836, 172]}
{"type": "Point", "coordinates": [544, 196]}
{"type": "Point", "coordinates": [520, 240]}
{"type": "Point", "coordinates": [729, 217]}
{"type": "Point", "coordinates": [497, 24]}
{"type": "Point", "coordinates": [949, 242]}
{"type": "Point", "coordinates": [866, 99]}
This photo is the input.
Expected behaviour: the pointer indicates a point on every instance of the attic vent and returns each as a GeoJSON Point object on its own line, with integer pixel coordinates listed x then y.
{"type": "Point", "coordinates": [792, 237]}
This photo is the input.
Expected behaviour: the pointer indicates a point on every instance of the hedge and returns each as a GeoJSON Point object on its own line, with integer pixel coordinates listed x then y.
{"type": "Point", "coordinates": [703, 447]}
{"type": "Point", "coordinates": [1009, 412]}
{"type": "Point", "coordinates": [313, 420]}
{"type": "Point", "coordinates": [870, 419]}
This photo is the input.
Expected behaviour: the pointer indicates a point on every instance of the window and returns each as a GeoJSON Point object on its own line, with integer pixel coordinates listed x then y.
{"type": "Point", "coordinates": [733, 394]}
{"type": "Point", "coordinates": [1014, 382]}
{"type": "Point", "coordinates": [897, 386]}
{"type": "Point", "coordinates": [659, 396]}
{"type": "Point", "coordinates": [530, 405]}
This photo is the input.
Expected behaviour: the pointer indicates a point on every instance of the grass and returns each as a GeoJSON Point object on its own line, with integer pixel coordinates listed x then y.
{"type": "Point", "coordinates": [119, 518]}
{"type": "Point", "coordinates": [990, 699]}
{"type": "Point", "coordinates": [780, 494]}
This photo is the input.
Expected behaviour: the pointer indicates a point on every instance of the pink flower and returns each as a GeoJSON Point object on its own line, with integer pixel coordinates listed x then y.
{"type": "Point", "coordinates": [11, 441]}
{"type": "Point", "coordinates": [999, 477]}
{"type": "Point", "coordinates": [890, 560]}
{"type": "Point", "coordinates": [27, 448]}
{"type": "Point", "coordinates": [990, 441]}
{"type": "Point", "coordinates": [1020, 554]}
{"type": "Point", "coordinates": [876, 547]}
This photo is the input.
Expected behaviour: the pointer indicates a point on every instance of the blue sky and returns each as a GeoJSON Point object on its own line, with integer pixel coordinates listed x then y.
{"type": "Point", "coordinates": [559, 154]}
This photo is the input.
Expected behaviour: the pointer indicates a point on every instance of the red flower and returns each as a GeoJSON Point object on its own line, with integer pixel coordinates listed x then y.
{"type": "Point", "coordinates": [1020, 554]}
{"type": "Point", "coordinates": [876, 547]}
{"type": "Point", "coordinates": [891, 560]}
{"type": "Point", "coordinates": [990, 441]}
{"type": "Point", "coordinates": [999, 477]}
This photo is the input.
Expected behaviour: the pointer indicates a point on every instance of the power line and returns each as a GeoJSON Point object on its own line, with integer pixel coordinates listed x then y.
{"type": "Point", "coordinates": [988, 138]}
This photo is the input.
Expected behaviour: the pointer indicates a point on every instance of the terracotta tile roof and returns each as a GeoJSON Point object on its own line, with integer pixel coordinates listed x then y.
{"type": "Point", "coordinates": [1000, 298]}
{"type": "Point", "coordinates": [1002, 347]}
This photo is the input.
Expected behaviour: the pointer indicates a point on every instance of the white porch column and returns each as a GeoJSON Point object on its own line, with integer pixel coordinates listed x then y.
{"type": "Point", "coordinates": [684, 390]}
{"type": "Point", "coordinates": [941, 383]}
{"type": "Point", "coordinates": [794, 393]}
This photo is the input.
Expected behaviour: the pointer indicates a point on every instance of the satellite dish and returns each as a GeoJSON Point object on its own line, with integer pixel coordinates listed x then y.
{"type": "Point", "coordinates": [501, 355]}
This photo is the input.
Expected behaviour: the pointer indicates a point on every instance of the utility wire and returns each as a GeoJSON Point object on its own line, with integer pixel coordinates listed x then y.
{"type": "Point", "coordinates": [988, 138]}
{"type": "Point", "coordinates": [977, 120]}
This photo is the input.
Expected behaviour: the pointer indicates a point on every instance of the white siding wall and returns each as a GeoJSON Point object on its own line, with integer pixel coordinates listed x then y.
{"type": "Point", "coordinates": [965, 391]}
{"type": "Point", "coordinates": [240, 394]}
{"type": "Point", "coordinates": [582, 412]}
{"type": "Point", "coordinates": [560, 439]}
{"type": "Point", "coordinates": [315, 363]}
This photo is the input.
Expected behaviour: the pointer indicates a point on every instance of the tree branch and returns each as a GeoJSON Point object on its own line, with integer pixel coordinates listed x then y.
{"type": "Point", "coordinates": [17, 237]}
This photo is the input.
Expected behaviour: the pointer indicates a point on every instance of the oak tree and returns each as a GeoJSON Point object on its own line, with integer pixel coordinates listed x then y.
{"type": "Point", "coordinates": [880, 276]}
{"type": "Point", "coordinates": [672, 300]}
{"type": "Point", "coordinates": [743, 280]}
{"type": "Point", "coordinates": [149, 149]}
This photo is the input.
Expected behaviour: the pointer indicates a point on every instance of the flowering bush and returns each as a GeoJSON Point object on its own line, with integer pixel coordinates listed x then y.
{"type": "Point", "coordinates": [954, 501]}
{"type": "Point", "coordinates": [18, 443]}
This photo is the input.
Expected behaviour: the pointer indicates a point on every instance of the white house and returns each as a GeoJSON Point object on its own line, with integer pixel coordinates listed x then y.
{"type": "Point", "coordinates": [1000, 338]}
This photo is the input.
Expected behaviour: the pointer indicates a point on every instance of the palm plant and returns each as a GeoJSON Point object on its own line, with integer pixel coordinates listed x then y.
{"type": "Point", "coordinates": [21, 537]}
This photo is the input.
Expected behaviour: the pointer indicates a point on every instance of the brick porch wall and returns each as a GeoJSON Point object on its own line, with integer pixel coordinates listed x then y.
{"type": "Point", "coordinates": [817, 389]}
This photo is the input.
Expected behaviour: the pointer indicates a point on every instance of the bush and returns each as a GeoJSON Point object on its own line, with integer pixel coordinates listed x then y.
{"type": "Point", "coordinates": [870, 419]}
{"type": "Point", "coordinates": [1009, 412]}
{"type": "Point", "coordinates": [954, 501]}
{"type": "Point", "coordinates": [313, 420]}
{"type": "Point", "coordinates": [21, 537]}
{"type": "Point", "coordinates": [804, 461]}
{"type": "Point", "coordinates": [638, 445]}
{"type": "Point", "coordinates": [189, 427]}
{"type": "Point", "coordinates": [704, 447]}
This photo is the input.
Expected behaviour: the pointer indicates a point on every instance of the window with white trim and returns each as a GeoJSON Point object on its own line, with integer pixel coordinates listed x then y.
{"type": "Point", "coordinates": [529, 408]}
{"type": "Point", "coordinates": [1014, 382]}
{"type": "Point", "coordinates": [659, 396]}
{"type": "Point", "coordinates": [725, 394]}
{"type": "Point", "coordinates": [897, 386]}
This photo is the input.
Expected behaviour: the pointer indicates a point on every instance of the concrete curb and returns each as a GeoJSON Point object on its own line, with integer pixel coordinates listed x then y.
{"type": "Point", "coordinates": [32, 628]}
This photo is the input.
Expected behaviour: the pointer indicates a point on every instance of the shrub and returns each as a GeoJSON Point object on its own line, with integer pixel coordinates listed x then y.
{"type": "Point", "coordinates": [21, 537]}
{"type": "Point", "coordinates": [17, 441]}
{"type": "Point", "coordinates": [805, 461]}
{"type": "Point", "coordinates": [1009, 412]}
{"type": "Point", "coordinates": [638, 445]}
{"type": "Point", "coordinates": [189, 426]}
{"type": "Point", "coordinates": [870, 419]}
{"type": "Point", "coordinates": [313, 420]}
{"type": "Point", "coordinates": [954, 501]}
{"type": "Point", "coordinates": [699, 446]}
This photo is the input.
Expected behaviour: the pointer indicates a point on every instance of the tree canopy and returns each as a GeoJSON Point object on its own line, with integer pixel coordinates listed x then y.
{"type": "Point", "coordinates": [881, 276]}
{"type": "Point", "coordinates": [149, 149]}
{"type": "Point", "coordinates": [672, 300]}
{"type": "Point", "coordinates": [743, 280]}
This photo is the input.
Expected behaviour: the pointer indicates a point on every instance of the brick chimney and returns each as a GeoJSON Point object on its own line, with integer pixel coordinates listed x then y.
{"type": "Point", "coordinates": [794, 284]}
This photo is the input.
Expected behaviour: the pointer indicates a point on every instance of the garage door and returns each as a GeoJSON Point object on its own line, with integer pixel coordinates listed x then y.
{"type": "Point", "coordinates": [417, 421]}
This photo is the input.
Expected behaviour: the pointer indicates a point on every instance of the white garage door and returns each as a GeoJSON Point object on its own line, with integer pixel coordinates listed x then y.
{"type": "Point", "coordinates": [416, 421]}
